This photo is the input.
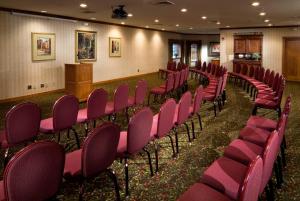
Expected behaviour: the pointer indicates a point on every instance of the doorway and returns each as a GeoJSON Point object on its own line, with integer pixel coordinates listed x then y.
{"type": "Point", "coordinates": [193, 53]}
{"type": "Point", "coordinates": [291, 58]}
{"type": "Point", "coordinates": [176, 50]}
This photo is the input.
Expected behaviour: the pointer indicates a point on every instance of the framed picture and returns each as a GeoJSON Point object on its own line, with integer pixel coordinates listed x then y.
{"type": "Point", "coordinates": [85, 46]}
{"type": "Point", "coordinates": [43, 46]}
{"type": "Point", "coordinates": [214, 49]}
{"type": "Point", "coordinates": [114, 47]}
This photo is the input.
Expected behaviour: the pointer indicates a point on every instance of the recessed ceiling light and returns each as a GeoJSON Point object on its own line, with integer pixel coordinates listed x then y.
{"type": "Point", "coordinates": [267, 20]}
{"type": "Point", "coordinates": [177, 25]}
{"type": "Point", "coordinates": [270, 25]}
{"type": "Point", "coordinates": [83, 5]}
{"type": "Point", "coordinates": [92, 18]}
{"type": "Point", "coordinates": [218, 23]}
{"type": "Point", "coordinates": [256, 3]}
{"type": "Point", "coordinates": [147, 26]}
{"type": "Point", "coordinates": [43, 11]}
{"type": "Point", "coordinates": [204, 17]}
{"type": "Point", "coordinates": [262, 14]}
{"type": "Point", "coordinates": [156, 20]}
{"type": "Point", "coordinates": [183, 10]}
{"type": "Point", "coordinates": [130, 15]}
{"type": "Point", "coordinates": [227, 26]}
{"type": "Point", "coordinates": [162, 29]}
{"type": "Point", "coordinates": [191, 28]}
{"type": "Point", "coordinates": [86, 24]}
{"type": "Point", "coordinates": [123, 23]}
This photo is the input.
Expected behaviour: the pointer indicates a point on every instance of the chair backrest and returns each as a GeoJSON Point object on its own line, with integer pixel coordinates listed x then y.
{"type": "Point", "coordinates": [251, 71]}
{"type": "Point", "coordinates": [96, 104]}
{"type": "Point", "coordinates": [244, 69]}
{"type": "Point", "coordinates": [287, 105]}
{"type": "Point", "coordinates": [208, 68]}
{"type": "Point", "coordinates": [280, 92]}
{"type": "Point", "coordinates": [224, 82]}
{"type": "Point", "coordinates": [275, 82]}
{"type": "Point", "coordinates": [256, 72]}
{"type": "Point", "coordinates": [121, 97]}
{"type": "Point", "coordinates": [213, 69]}
{"type": "Point", "coordinates": [170, 82]}
{"type": "Point", "coordinates": [198, 65]}
{"type": "Point", "coordinates": [250, 189]}
{"type": "Point", "coordinates": [217, 71]}
{"type": "Point", "coordinates": [65, 111]}
{"type": "Point", "coordinates": [171, 65]}
{"type": "Point", "coordinates": [267, 76]}
{"type": "Point", "coordinates": [261, 74]}
{"type": "Point", "coordinates": [186, 74]}
{"type": "Point", "coordinates": [138, 132]}
{"type": "Point", "coordinates": [219, 87]}
{"type": "Point", "coordinates": [204, 66]}
{"type": "Point", "coordinates": [238, 68]}
{"type": "Point", "coordinates": [35, 172]}
{"type": "Point", "coordinates": [179, 66]}
{"type": "Point", "coordinates": [198, 99]}
{"type": "Point", "coordinates": [22, 123]}
{"type": "Point", "coordinates": [182, 77]}
{"type": "Point", "coordinates": [165, 117]}
{"type": "Point", "coordinates": [141, 91]}
{"type": "Point", "coordinates": [183, 107]}
{"type": "Point", "coordinates": [269, 157]}
{"type": "Point", "coordinates": [271, 79]}
{"type": "Point", "coordinates": [176, 79]}
{"type": "Point", "coordinates": [99, 149]}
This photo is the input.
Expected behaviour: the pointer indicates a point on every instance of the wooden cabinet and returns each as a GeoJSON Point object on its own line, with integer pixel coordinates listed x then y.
{"type": "Point", "coordinates": [248, 44]}
{"type": "Point", "coordinates": [215, 62]}
{"type": "Point", "coordinates": [253, 45]}
{"type": "Point", "coordinates": [240, 46]}
{"type": "Point", "coordinates": [79, 80]}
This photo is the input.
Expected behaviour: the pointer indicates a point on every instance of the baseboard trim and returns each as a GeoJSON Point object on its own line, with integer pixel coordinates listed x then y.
{"type": "Point", "coordinates": [19, 98]}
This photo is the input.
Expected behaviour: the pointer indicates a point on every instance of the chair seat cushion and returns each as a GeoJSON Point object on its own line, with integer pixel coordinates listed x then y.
{"type": "Point", "coordinates": [202, 192]}
{"type": "Point", "coordinates": [73, 163]}
{"type": "Point", "coordinates": [225, 175]}
{"type": "Point", "coordinates": [131, 101]}
{"type": "Point", "coordinates": [262, 122]}
{"type": "Point", "coordinates": [243, 151]}
{"type": "Point", "coordinates": [109, 109]}
{"type": "Point", "coordinates": [267, 96]}
{"type": "Point", "coordinates": [82, 115]}
{"type": "Point", "coordinates": [255, 135]}
{"type": "Point", "coordinates": [46, 125]}
{"type": "Point", "coordinates": [154, 126]}
{"type": "Point", "coordinates": [2, 192]}
{"type": "Point", "coordinates": [208, 96]}
{"type": "Point", "coordinates": [158, 90]}
{"type": "Point", "coordinates": [265, 103]}
{"type": "Point", "coordinates": [3, 140]}
{"type": "Point", "coordinates": [122, 146]}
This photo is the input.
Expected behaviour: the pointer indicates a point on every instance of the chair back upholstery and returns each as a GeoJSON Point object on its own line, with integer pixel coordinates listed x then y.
{"type": "Point", "coordinates": [238, 68]}
{"type": "Point", "coordinates": [271, 79]}
{"type": "Point", "coordinates": [261, 74]}
{"type": "Point", "coordinates": [96, 104]}
{"type": "Point", "coordinates": [267, 76]}
{"type": "Point", "coordinates": [275, 82]}
{"type": "Point", "coordinates": [269, 157]}
{"type": "Point", "coordinates": [170, 82]}
{"type": "Point", "coordinates": [186, 74]}
{"type": "Point", "coordinates": [219, 87]}
{"type": "Point", "coordinates": [208, 68]}
{"type": "Point", "coordinates": [280, 92]}
{"type": "Point", "coordinates": [182, 77]}
{"type": "Point", "coordinates": [244, 69]}
{"type": "Point", "coordinates": [166, 117]}
{"type": "Point", "coordinates": [179, 66]}
{"type": "Point", "coordinates": [176, 79]}
{"type": "Point", "coordinates": [22, 123]}
{"type": "Point", "coordinates": [121, 97]}
{"type": "Point", "coordinates": [141, 91]}
{"type": "Point", "coordinates": [183, 107]}
{"type": "Point", "coordinates": [139, 128]}
{"type": "Point", "coordinates": [249, 190]}
{"type": "Point", "coordinates": [224, 82]}
{"type": "Point", "coordinates": [204, 66]}
{"type": "Point", "coordinates": [198, 65]}
{"type": "Point", "coordinates": [171, 65]}
{"type": "Point", "coordinates": [287, 105]}
{"type": "Point", "coordinates": [251, 71]}
{"type": "Point", "coordinates": [257, 72]}
{"type": "Point", "coordinates": [35, 172]}
{"type": "Point", "coordinates": [213, 69]}
{"type": "Point", "coordinates": [99, 149]}
{"type": "Point", "coordinates": [65, 111]}
{"type": "Point", "coordinates": [198, 99]}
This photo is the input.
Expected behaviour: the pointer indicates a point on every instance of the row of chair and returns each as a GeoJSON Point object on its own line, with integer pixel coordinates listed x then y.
{"type": "Point", "coordinates": [266, 86]}
{"type": "Point", "coordinates": [245, 170]}
{"type": "Point", "coordinates": [171, 68]}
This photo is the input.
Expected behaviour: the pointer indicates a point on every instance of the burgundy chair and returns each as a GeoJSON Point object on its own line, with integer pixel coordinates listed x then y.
{"type": "Point", "coordinates": [22, 123]}
{"type": "Point", "coordinates": [119, 104]}
{"type": "Point", "coordinates": [140, 94]}
{"type": "Point", "coordinates": [171, 67]}
{"type": "Point", "coordinates": [204, 67]}
{"type": "Point", "coordinates": [213, 69]}
{"type": "Point", "coordinates": [135, 139]}
{"type": "Point", "coordinates": [96, 104]}
{"type": "Point", "coordinates": [34, 173]}
{"type": "Point", "coordinates": [162, 124]}
{"type": "Point", "coordinates": [195, 107]}
{"type": "Point", "coordinates": [215, 96]}
{"type": "Point", "coordinates": [162, 91]}
{"type": "Point", "coordinates": [64, 117]}
{"type": "Point", "coordinates": [181, 116]}
{"type": "Point", "coordinates": [233, 178]}
{"type": "Point", "coordinates": [98, 152]}
{"type": "Point", "coordinates": [244, 152]}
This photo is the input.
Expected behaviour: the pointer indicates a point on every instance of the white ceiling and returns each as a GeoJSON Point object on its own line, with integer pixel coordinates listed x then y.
{"type": "Point", "coordinates": [235, 13]}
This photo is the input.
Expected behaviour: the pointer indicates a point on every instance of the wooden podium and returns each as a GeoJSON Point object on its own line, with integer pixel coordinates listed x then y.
{"type": "Point", "coordinates": [79, 80]}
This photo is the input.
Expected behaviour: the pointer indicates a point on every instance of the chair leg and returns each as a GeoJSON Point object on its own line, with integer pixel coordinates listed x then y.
{"type": "Point", "coordinates": [156, 156]}
{"type": "Point", "coordinates": [113, 177]}
{"type": "Point", "coordinates": [149, 160]}
{"type": "Point", "coordinates": [126, 178]}
{"type": "Point", "coordinates": [68, 133]}
{"type": "Point", "coordinates": [172, 144]}
{"type": "Point", "coordinates": [279, 162]}
{"type": "Point", "coordinates": [215, 109]}
{"type": "Point", "coordinates": [193, 129]}
{"type": "Point", "coordinates": [5, 161]}
{"type": "Point", "coordinates": [200, 121]}
{"type": "Point", "coordinates": [284, 142]}
{"type": "Point", "coordinates": [86, 128]}
{"type": "Point", "coordinates": [277, 174]}
{"type": "Point", "coordinates": [127, 115]}
{"type": "Point", "coordinates": [254, 111]}
{"type": "Point", "coordinates": [76, 137]}
{"type": "Point", "coordinates": [58, 138]}
{"type": "Point", "coordinates": [279, 112]}
{"type": "Point", "coordinates": [94, 123]}
{"type": "Point", "coordinates": [149, 96]}
{"type": "Point", "coordinates": [176, 141]}
{"type": "Point", "coordinates": [283, 155]}
{"type": "Point", "coordinates": [271, 191]}
{"type": "Point", "coordinates": [188, 132]}
{"type": "Point", "coordinates": [81, 189]}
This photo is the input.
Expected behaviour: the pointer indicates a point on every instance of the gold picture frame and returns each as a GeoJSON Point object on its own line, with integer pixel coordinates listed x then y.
{"type": "Point", "coordinates": [43, 46]}
{"type": "Point", "coordinates": [115, 47]}
{"type": "Point", "coordinates": [85, 46]}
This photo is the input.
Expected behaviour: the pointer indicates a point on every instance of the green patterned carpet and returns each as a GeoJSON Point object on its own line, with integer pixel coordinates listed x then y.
{"type": "Point", "coordinates": [176, 175]}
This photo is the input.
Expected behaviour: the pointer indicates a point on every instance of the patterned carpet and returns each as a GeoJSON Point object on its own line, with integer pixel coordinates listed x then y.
{"type": "Point", "coordinates": [176, 175]}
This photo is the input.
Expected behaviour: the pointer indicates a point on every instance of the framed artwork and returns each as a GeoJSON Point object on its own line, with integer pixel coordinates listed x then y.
{"type": "Point", "coordinates": [114, 47]}
{"type": "Point", "coordinates": [214, 49]}
{"type": "Point", "coordinates": [43, 46]}
{"type": "Point", "coordinates": [85, 46]}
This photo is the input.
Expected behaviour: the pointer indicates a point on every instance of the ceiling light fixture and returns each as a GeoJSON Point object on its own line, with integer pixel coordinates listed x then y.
{"type": "Point", "coordinates": [147, 26]}
{"type": "Point", "coordinates": [218, 23]}
{"type": "Point", "coordinates": [83, 5]}
{"type": "Point", "coordinates": [227, 26]}
{"type": "Point", "coordinates": [267, 20]}
{"type": "Point", "coordinates": [256, 3]}
{"type": "Point", "coordinates": [130, 15]}
{"type": "Point", "coordinates": [92, 18]}
{"type": "Point", "coordinates": [204, 17]}
{"type": "Point", "coordinates": [177, 25]}
{"type": "Point", "coordinates": [191, 28]}
{"type": "Point", "coordinates": [156, 21]}
{"type": "Point", "coordinates": [44, 11]}
{"type": "Point", "coordinates": [123, 23]}
{"type": "Point", "coordinates": [162, 29]}
{"type": "Point", "coordinates": [86, 24]}
{"type": "Point", "coordinates": [184, 10]}
{"type": "Point", "coordinates": [262, 14]}
{"type": "Point", "coordinates": [270, 25]}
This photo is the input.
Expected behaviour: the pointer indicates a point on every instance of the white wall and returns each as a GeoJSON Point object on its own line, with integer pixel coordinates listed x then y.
{"type": "Point", "coordinates": [272, 45]}
{"type": "Point", "coordinates": [142, 49]}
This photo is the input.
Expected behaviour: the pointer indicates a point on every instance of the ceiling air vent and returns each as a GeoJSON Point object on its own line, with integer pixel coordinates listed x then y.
{"type": "Point", "coordinates": [163, 3]}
